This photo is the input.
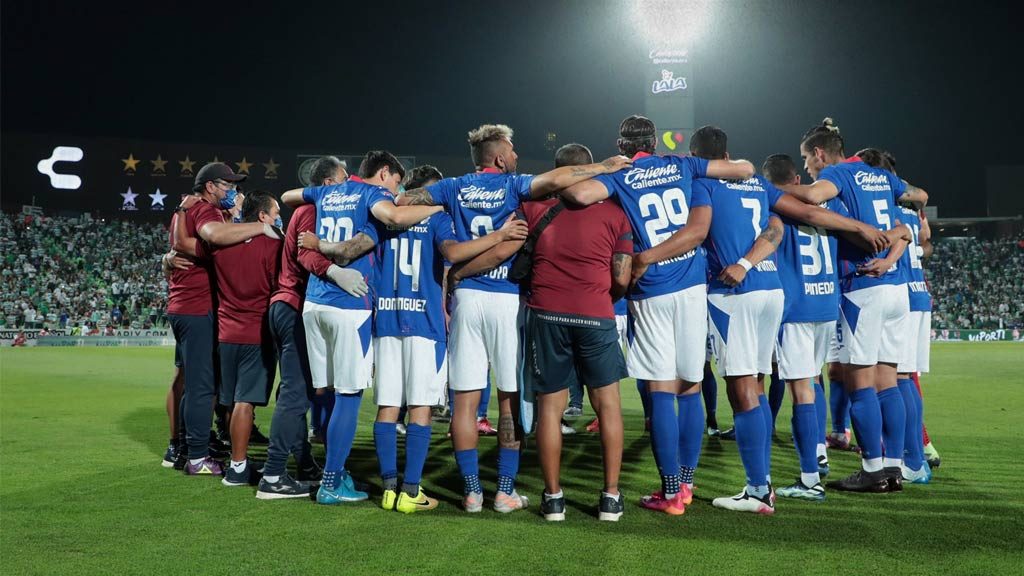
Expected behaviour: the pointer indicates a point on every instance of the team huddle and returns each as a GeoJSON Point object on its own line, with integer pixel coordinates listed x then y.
{"type": "Point", "coordinates": [422, 287]}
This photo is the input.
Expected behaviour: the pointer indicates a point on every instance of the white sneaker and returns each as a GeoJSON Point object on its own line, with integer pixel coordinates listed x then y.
{"type": "Point", "coordinates": [744, 502]}
{"type": "Point", "coordinates": [567, 430]}
{"type": "Point", "coordinates": [506, 503]}
{"type": "Point", "coordinates": [923, 475]}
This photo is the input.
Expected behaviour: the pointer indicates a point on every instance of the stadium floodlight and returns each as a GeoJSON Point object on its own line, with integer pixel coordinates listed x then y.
{"type": "Point", "coordinates": [670, 22]}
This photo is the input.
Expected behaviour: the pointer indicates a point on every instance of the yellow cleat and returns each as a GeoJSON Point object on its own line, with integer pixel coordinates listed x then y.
{"type": "Point", "coordinates": [421, 502]}
{"type": "Point", "coordinates": [388, 501]}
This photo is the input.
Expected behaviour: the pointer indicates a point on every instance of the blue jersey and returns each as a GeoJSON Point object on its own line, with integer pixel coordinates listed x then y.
{"type": "Point", "coordinates": [657, 194]}
{"type": "Point", "coordinates": [409, 287]}
{"type": "Point", "coordinates": [620, 307]}
{"type": "Point", "coordinates": [870, 195]}
{"type": "Point", "coordinates": [343, 210]}
{"type": "Point", "coordinates": [479, 203]}
{"type": "Point", "coordinates": [920, 299]}
{"type": "Point", "coordinates": [739, 213]}
{"type": "Point", "coordinates": [807, 269]}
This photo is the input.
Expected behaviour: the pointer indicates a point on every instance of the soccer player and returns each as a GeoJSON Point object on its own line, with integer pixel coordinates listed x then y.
{"type": "Point", "coordinates": [668, 299]}
{"type": "Point", "coordinates": [486, 316]}
{"type": "Point", "coordinates": [337, 323]}
{"type": "Point", "coordinates": [190, 301]}
{"type": "Point", "coordinates": [246, 277]}
{"type": "Point", "coordinates": [874, 310]}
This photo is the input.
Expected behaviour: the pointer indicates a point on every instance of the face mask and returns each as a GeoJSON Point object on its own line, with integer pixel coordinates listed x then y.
{"type": "Point", "coordinates": [228, 201]}
{"type": "Point", "coordinates": [278, 222]}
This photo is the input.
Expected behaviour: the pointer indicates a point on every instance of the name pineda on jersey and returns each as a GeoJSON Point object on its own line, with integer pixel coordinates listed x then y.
{"type": "Point", "coordinates": [819, 288]}
{"type": "Point", "coordinates": [481, 198]}
{"type": "Point", "coordinates": [638, 178]}
{"type": "Point", "coordinates": [338, 201]}
{"type": "Point", "coordinates": [871, 182]}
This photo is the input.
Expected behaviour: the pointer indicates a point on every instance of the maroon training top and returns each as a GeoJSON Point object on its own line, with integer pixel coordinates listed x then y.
{"type": "Point", "coordinates": [297, 264]}
{"type": "Point", "coordinates": [246, 276]}
{"type": "Point", "coordinates": [572, 261]}
{"type": "Point", "coordinates": [191, 291]}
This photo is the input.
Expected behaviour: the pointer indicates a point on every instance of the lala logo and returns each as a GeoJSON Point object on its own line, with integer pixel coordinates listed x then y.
{"type": "Point", "coordinates": [668, 83]}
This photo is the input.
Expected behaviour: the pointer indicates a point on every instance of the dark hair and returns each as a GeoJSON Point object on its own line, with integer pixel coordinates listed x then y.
{"type": "Point", "coordinates": [420, 175]}
{"type": "Point", "coordinates": [256, 201]}
{"type": "Point", "coordinates": [709, 142]}
{"type": "Point", "coordinates": [779, 168]}
{"type": "Point", "coordinates": [637, 134]}
{"type": "Point", "coordinates": [324, 168]}
{"type": "Point", "coordinates": [573, 155]}
{"type": "Point", "coordinates": [377, 159]}
{"type": "Point", "coordinates": [482, 141]}
{"type": "Point", "coordinates": [825, 136]}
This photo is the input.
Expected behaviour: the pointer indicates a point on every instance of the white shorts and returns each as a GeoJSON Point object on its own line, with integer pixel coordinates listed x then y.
{"type": "Point", "coordinates": [743, 330]}
{"type": "Point", "coordinates": [621, 326]}
{"type": "Point", "coordinates": [918, 346]}
{"type": "Point", "coordinates": [803, 347]}
{"type": "Point", "coordinates": [411, 370]}
{"type": "Point", "coordinates": [874, 324]}
{"type": "Point", "coordinates": [669, 332]}
{"type": "Point", "coordinates": [833, 343]}
{"type": "Point", "coordinates": [484, 328]}
{"type": "Point", "coordinates": [709, 352]}
{"type": "Point", "coordinates": [340, 347]}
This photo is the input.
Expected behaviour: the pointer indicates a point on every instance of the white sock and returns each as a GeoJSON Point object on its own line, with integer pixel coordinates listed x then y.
{"type": "Point", "coordinates": [612, 496]}
{"type": "Point", "coordinates": [238, 466]}
{"type": "Point", "coordinates": [810, 480]}
{"type": "Point", "coordinates": [272, 479]}
{"type": "Point", "coordinates": [892, 462]}
{"type": "Point", "coordinates": [196, 461]}
{"type": "Point", "coordinates": [759, 491]}
{"type": "Point", "coordinates": [547, 496]}
{"type": "Point", "coordinates": [872, 465]}
{"type": "Point", "coordinates": [822, 451]}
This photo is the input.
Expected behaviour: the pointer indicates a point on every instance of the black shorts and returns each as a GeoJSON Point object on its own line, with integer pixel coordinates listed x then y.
{"type": "Point", "coordinates": [563, 349]}
{"type": "Point", "coordinates": [177, 357]}
{"type": "Point", "coordinates": [247, 373]}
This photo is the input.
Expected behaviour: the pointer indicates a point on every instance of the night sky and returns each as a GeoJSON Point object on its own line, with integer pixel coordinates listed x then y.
{"type": "Point", "coordinates": [935, 82]}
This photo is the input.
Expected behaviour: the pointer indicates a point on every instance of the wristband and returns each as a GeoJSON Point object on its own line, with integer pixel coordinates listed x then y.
{"type": "Point", "coordinates": [745, 264]}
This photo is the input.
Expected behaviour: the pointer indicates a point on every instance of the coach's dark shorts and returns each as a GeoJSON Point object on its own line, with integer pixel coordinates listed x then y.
{"type": "Point", "coordinates": [177, 357]}
{"type": "Point", "coordinates": [247, 373]}
{"type": "Point", "coordinates": [563, 349]}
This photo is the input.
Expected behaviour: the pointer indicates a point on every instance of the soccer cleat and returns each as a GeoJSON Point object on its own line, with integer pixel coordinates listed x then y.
{"type": "Point", "coordinates": [387, 502]}
{"type": "Point", "coordinates": [823, 468]}
{"type": "Point", "coordinates": [714, 432]}
{"type": "Point", "coordinates": [686, 493]}
{"type": "Point", "coordinates": [208, 467]}
{"type": "Point", "coordinates": [218, 447]}
{"type": "Point", "coordinates": [594, 427]}
{"type": "Point", "coordinates": [746, 502]}
{"type": "Point", "coordinates": [610, 509]}
{"type": "Point", "coordinates": [922, 475]}
{"type": "Point", "coordinates": [573, 412]}
{"type": "Point", "coordinates": [484, 428]}
{"type": "Point", "coordinates": [728, 434]}
{"type": "Point", "coordinates": [932, 455]}
{"type": "Point", "coordinates": [672, 506]}
{"type": "Point", "coordinates": [800, 491]}
{"type": "Point", "coordinates": [309, 472]}
{"type": "Point", "coordinates": [567, 430]}
{"type": "Point", "coordinates": [861, 481]}
{"type": "Point", "coordinates": [553, 509]}
{"type": "Point", "coordinates": [170, 456]}
{"type": "Point", "coordinates": [506, 503]}
{"type": "Point", "coordinates": [285, 487]}
{"type": "Point", "coordinates": [343, 493]}
{"type": "Point", "coordinates": [838, 441]}
{"type": "Point", "coordinates": [894, 478]}
{"type": "Point", "coordinates": [473, 502]}
{"type": "Point", "coordinates": [421, 503]}
{"type": "Point", "coordinates": [256, 438]}
{"type": "Point", "coordinates": [181, 459]}
{"type": "Point", "coordinates": [243, 478]}
{"type": "Point", "coordinates": [400, 429]}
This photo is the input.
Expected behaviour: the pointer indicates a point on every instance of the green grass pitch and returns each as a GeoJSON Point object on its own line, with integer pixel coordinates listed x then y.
{"type": "Point", "coordinates": [82, 432]}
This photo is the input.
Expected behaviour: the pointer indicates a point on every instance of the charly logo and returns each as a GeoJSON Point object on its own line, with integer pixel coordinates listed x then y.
{"type": "Point", "coordinates": [668, 83]}
{"type": "Point", "coordinates": [61, 154]}
{"type": "Point", "coordinates": [129, 200]}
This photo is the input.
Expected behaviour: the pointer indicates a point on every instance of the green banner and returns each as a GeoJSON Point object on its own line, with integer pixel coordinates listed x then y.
{"type": "Point", "coordinates": [998, 335]}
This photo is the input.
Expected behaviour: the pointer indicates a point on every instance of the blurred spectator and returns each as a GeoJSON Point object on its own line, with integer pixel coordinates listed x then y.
{"type": "Point", "coordinates": [977, 283]}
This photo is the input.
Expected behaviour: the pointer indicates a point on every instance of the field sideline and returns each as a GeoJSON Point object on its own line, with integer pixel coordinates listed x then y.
{"type": "Point", "coordinates": [82, 431]}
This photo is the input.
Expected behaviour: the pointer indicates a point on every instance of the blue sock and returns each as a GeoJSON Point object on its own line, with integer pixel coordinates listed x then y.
{"type": "Point", "coordinates": [867, 422]}
{"type": "Point", "coordinates": [665, 439]}
{"type": "Point", "coordinates": [769, 429]}
{"type": "Point", "coordinates": [839, 401]}
{"type": "Point", "coordinates": [508, 468]}
{"type": "Point", "coordinates": [341, 432]}
{"type": "Point", "coordinates": [894, 425]}
{"type": "Point", "coordinates": [385, 440]}
{"type": "Point", "coordinates": [417, 444]}
{"type": "Point", "coordinates": [820, 410]}
{"type": "Point", "coordinates": [805, 432]}
{"type": "Point", "coordinates": [709, 390]}
{"type": "Point", "coordinates": [470, 470]}
{"type": "Point", "coordinates": [776, 393]}
{"type": "Point", "coordinates": [691, 434]}
{"type": "Point", "coordinates": [485, 400]}
{"type": "Point", "coordinates": [645, 397]}
{"type": "Point", "coordinates": [913, 451]}
{"type": "Point", "coordinates": [451, 401]}
{"type": "Point", "coordinates": [750, 429]}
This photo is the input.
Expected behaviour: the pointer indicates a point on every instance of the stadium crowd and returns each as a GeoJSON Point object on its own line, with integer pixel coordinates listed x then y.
{"type": "Point", "coordinates": [977, 283]}
{"type": "Point", "coordinates": [81, 275]}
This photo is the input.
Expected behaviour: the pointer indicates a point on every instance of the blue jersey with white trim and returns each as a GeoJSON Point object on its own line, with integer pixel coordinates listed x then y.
{"type": "Point", "coordinates": [657, 194]}
{"type": "Point", "coordinates": [479, 203]}
{"type": "Point", "coordinates": [343, 210]}
{"type": "Point", "coordinates": [409, 286]}
{"type": "Point", "coordinates": [870, 195]}
{"type": "Point", "coordinates": [920, 299]}
{"type": "Point", "coordinates": [807, 269]}
{"type": "Point", "coordinates": [739, 213]}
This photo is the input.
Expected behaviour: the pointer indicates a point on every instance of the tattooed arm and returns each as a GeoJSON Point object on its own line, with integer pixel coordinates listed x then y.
{"type": "Point", "coordinates": [342, 253]}
{"type": "Point", "coordinates": [622, 272]}
{"type": "Point", "coordinates": [564, 177]}
{"type": "Point", "coordinates": [764, 245]}
{"type": "Point", "coordinates": [914, 196]}
{"type": "Point", "coordinates": [415, 197]}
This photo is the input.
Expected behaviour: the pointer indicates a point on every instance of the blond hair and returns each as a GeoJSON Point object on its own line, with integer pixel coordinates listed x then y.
{"type": "Point", "coordinates": [481, 139]}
